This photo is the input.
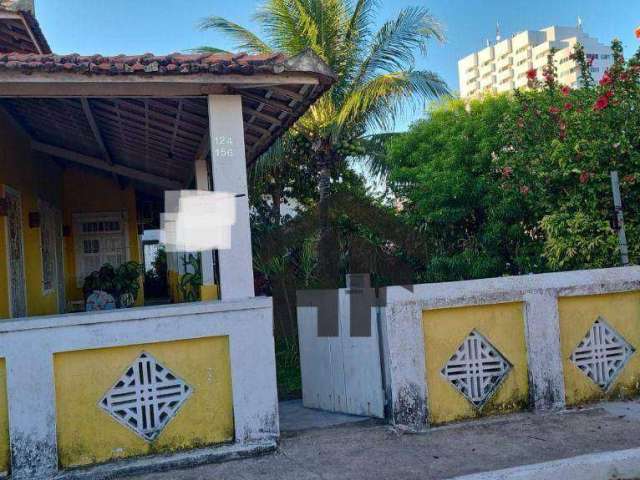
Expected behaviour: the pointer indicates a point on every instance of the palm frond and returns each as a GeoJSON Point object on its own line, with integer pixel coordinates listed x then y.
{"type": "Point", "coordinates": [375, 147]}
{"type": "Point", "coordinates": [282, 26]}
{"type": "Point", "coordinates": [392, 48]}
{"type": "Point", "coordinates": [246, 40]}
{"type": "Point", "coordinates": [207, 49]}
{"type": "Point", "coordinates": [267, 163]}
{"type": "Point", "coordinates": [377, 103]}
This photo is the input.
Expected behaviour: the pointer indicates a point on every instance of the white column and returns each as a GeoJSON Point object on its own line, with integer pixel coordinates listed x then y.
{"type": "Point", "coordinates": [404, 359]}
{"type": "Point", "coordinates": [230, 175]}
{"type": "Point", "coordinates": [546, 377]}
{"type": "Point", "coordinates": [202, 183]}
{"type": "Point", "coordinates": [32, 410]}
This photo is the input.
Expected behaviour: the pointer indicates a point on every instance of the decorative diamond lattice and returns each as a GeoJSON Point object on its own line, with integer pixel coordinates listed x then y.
{"type": "Point", "coordinates": [146, 397]}
{"type": "Point", "coordinates": [476, 369]}
{"type": "Point", "coordinates": [602, 354]}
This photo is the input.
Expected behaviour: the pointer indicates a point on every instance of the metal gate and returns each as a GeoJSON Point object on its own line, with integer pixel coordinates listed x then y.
{"type": "Point", "coordinates": [340, 349]}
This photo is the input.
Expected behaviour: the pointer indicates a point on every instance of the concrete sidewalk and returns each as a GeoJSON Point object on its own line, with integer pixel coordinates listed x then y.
{"type": "Point", "coordinates": [371, 450]}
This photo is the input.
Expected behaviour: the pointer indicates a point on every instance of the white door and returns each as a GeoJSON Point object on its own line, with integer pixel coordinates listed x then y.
{"type": "Point", "coordinates": [15, 251]}
{"type": "Point", "coordinates": [100, 238]}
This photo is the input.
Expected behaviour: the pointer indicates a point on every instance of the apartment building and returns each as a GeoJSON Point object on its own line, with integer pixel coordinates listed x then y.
{"type": "Point", "coordinates": [503, 66]}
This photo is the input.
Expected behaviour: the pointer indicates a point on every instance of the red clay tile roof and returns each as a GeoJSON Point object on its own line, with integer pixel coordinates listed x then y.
{"type": "Point", "coordinates": [31, 23]}
{"type": "Point", "coordinates": [173, 64]}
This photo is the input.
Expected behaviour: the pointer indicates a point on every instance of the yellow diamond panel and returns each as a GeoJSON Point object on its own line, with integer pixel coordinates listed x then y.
{"type": "Point", "coordinates": [445, 330]}
{"type": "Point", "coordinates": [88, 435]}
{"type": "Point", "coordinates": [621, 312]}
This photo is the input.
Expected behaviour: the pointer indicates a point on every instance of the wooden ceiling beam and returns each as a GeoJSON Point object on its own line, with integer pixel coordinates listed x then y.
{"type": "Point", "coordinates": [100, 164]}
{"type": "Point", "coordinates": [267, 101]}
{"type": "Point", "coordinates": [86, 107]}
{"type": "Point", "coordinates": [267, 118]}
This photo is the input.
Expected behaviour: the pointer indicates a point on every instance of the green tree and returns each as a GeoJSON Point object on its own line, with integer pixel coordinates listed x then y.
{"type": "Point", "coordinates": [561, 144]}
{"type": "Point", "coordinates": [442, 171]}
{"type": "Point", "coordinates": [376, 79]}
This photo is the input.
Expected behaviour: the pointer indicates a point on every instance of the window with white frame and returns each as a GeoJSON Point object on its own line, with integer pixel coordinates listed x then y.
{"type": "Point", "coordinates": [48, 241]}
{"type": "Point", "coordinates": [99, 239]}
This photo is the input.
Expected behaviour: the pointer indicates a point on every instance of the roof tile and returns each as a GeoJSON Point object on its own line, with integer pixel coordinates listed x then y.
{"type": "Point", "coordinates": [175, 63]}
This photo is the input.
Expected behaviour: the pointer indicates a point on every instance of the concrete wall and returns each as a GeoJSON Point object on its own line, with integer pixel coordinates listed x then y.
{"type": "Point", "coordinates": [537, 323]}
{"type": "Point", "coordinates": [59, 369]}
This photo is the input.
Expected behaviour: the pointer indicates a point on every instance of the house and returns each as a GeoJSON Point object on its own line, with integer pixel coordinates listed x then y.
{"type": "Point", "coordinates": [90, 144]}
{"type": "Point", "coordinates": [90, 149]}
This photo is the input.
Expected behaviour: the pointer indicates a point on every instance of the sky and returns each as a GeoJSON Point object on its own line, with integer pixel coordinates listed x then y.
{"type": "Point", "coordinates": [164, 26]}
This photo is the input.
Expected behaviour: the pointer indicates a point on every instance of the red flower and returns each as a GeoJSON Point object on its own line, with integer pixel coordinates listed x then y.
{"type": "Point", "coordinates": [629, 178]}
{"type": "Point", "coordinates": [532, 74]}
{"type": "Point", "coordinates": [584, 177]}
{"type": "Point", "coordinates": [565, 91]}
{"type": "Point", "coordinates": [568, 106]}
{"type": "Point", "coordinates": [601, 103]}
{"type": "Point", "coordinates": [608, 94]}
{"type": "Point", "coordinates": [554, 110]}
{"type": "Point", "coordinates": [606, 79]}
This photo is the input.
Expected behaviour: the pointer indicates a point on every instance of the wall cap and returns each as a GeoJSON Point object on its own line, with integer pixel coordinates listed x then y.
{"type": "Point", "coordinates": [132, 314]}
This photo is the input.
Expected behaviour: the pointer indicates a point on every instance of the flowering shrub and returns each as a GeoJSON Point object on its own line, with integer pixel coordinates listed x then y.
{"type": "Point", "coordinates": [560, 145]}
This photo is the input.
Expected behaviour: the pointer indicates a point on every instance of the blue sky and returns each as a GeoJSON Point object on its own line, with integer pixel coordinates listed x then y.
{"type": "Point", "coordinates": [164, 26]}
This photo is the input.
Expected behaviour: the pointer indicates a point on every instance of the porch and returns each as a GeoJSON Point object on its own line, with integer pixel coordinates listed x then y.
{"type": "Point", "coordinates": [93, 145]}
{"type": "Point", "coordinates": [90, 148]}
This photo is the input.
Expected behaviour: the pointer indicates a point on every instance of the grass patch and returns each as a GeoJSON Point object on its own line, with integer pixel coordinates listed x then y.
{"type": "Point", "coordinates": [288, 368]}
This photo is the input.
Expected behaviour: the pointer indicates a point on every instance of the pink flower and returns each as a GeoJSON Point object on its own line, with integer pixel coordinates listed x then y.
{"type": "Point", "coordinates": [524, 189]}
{"type": "Point", "coordinates": [606, 79]}
{"type": "Point", "coordinates": [565, 91]}
{"type": "Point", "coordinates": [601, 103]}
{"type": "Point", "coordinates": [568, 106]}
{"type": "Point", "coordinates": [554, 110]}
{"type": "Point", "coordinates": [507, 171]}
{"type": "Point", "coordinates": [584, 177]}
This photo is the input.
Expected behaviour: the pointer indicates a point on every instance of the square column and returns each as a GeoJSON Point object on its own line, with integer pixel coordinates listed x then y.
{"type": "Point", "coordinates": [229, 169]}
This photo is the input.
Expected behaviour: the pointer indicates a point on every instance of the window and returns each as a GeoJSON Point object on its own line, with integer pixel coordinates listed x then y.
{"type": "Point", "coordinates": [99, 238]}
{"type": "Point", "coordinates": [49, 230]}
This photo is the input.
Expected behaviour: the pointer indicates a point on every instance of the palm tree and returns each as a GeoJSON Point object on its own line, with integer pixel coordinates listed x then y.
{"type": "Point", "coordinates": [376, 77]}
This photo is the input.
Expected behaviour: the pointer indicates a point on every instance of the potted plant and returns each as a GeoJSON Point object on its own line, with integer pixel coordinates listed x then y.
{"type": "Point", "coordinates": [122, 283]}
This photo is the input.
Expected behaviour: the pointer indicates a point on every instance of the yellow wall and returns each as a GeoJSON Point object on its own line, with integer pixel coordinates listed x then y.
{"type": "Point", "coordinates": [72, 190]}
{"type": "Point", "coordinates": [85, 192]}
{"type": "Point", "coordinates": [4, 420]}
{"type": "Point", "coordinates": [445, 330]}
{"type": "Point", "coordinates": [34, 176]}
{"type": "Point", "coordinates": [87, 434]}
{"type": "Point", "coordinates": [209, 292]}
{"type": "Point", "coordinates": [577, 314]}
